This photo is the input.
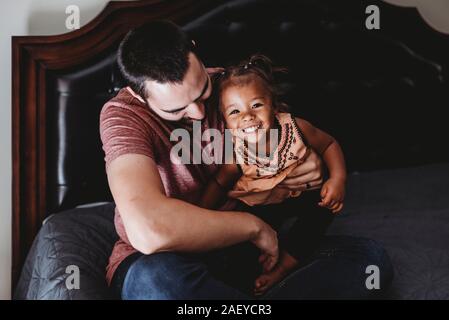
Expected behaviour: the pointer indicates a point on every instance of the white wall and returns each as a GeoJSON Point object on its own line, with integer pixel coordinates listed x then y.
{"type": "Point", "coordinates": [24, 17]}
{"type": "Point", "coordinates": [434, 12]}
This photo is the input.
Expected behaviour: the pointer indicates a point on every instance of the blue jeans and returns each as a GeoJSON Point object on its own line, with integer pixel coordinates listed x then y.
{"type": "Point", "coordinates": [336, 270]}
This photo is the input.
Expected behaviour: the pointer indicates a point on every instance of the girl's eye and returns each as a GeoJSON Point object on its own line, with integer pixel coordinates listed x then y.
{"type": "Point", "coordinates": [257, 105]}
{"type": "Point", "coordinates": [233, 112]}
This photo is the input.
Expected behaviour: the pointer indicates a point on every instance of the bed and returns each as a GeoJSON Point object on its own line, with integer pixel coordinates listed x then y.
{"type": "Point", "coordinates": [382, 94]}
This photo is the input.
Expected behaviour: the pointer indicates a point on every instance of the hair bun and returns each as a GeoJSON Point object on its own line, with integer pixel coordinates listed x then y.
{"type": "Point", "coordinates": [263, 62]}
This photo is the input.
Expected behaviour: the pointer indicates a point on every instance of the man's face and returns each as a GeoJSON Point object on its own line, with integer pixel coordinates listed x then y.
{"type": "Point", "coordinates": [183, 101]}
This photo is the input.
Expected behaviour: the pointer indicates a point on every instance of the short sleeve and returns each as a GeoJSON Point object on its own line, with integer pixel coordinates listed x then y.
{"type": "Point", "coordinates": [124, 131]}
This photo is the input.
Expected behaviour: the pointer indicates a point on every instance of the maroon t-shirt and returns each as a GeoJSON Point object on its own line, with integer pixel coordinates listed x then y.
{"type": "Point", "coordinates": [129, 126]}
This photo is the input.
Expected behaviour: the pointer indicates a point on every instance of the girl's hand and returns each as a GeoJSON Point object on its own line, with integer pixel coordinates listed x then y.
{"type": "Point", "coordinates": [332, 195]}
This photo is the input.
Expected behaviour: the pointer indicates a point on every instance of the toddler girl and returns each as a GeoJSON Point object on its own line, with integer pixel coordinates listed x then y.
{"type": "Point", "coordinates": [249, 103]}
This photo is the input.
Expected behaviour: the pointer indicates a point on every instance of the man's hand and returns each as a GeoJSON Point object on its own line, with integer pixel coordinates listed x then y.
{"type": "Point", "coordinates": [306, 176]}
{"type": "Point", "coordinates": [267, 241]}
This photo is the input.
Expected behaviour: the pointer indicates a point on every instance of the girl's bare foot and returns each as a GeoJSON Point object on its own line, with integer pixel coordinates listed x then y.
{"type": "Point", "coordinates": [266, 280]}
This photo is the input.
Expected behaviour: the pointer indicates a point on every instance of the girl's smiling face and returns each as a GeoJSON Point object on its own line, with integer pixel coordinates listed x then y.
{"type": "Point", "coordinates": [247, 107]}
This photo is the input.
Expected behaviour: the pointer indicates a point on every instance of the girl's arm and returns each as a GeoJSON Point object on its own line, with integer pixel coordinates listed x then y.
{"type": "Point", "coordinates": [327, 147]}
{"type": "Point", "coordinates": [216, 191]}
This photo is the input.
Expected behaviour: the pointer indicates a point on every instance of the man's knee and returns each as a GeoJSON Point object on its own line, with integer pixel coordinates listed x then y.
{"type": "Point", "coordinates": [161, 276]}
{"type": "Point", "coordinates": [368, 254]}
{"type": "Point", "coordinates": [378, 259]}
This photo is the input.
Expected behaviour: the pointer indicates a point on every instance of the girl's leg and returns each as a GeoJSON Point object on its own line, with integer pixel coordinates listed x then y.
{"type": "Point", "coordinates": [308, 230]}
{"type": "Point", "coordinates": [303, 237]}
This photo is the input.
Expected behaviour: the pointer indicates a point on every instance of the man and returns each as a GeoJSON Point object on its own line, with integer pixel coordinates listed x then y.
{"type": "Point", "coordinates": [165, 239]}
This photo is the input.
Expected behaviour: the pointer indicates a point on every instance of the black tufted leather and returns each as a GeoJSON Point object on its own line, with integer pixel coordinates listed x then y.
{"type": "Point", "coordinates": [75, 156]}
{"type": "Point", "coordinates": [381, 100]}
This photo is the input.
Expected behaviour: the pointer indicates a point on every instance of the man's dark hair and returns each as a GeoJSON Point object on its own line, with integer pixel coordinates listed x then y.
{"type": "Point", "coordinates": [158, 51]}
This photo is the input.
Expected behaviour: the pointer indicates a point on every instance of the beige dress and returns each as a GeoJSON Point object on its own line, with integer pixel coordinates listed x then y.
{"type": "Point", "coordinates": [261, 175]}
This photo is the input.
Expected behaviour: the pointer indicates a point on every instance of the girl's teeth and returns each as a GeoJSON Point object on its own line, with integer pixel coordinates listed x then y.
{"type": "Point", "coordinates": [250, 129]}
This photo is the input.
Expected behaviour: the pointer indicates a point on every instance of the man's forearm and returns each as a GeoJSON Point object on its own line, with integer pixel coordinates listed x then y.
{"type": "Point", "coordinates": [176, 225]}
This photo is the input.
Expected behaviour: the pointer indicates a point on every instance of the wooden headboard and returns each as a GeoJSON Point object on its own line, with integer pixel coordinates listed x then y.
{"type": "Point", "coordinates": [336, 67]}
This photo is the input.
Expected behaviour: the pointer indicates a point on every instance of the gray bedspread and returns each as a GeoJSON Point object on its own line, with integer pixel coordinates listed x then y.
{"type": "Point", "coordinates": [407, 210]}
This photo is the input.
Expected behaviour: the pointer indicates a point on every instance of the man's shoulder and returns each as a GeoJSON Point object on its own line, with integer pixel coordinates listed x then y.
{"type": "Point", "coordinates": [125, 111]}
{"type": "Point", "coordinates": [125, 99]}
{"type": "Point", "coordinates": [126, 106]}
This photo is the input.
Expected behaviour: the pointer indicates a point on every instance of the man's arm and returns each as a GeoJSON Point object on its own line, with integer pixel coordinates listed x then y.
{"type": "Point", "coordinates": [155, 222]}
{"type": "Point", "coordinates": [215, 193]}
{"type": "Point", "coordinates": [309, 173]}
